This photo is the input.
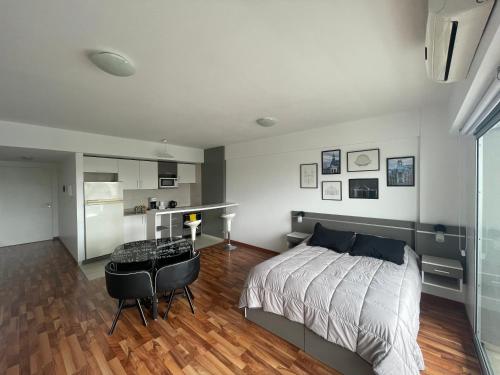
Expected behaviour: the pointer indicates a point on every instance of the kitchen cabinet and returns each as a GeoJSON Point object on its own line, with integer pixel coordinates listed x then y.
{"type": "Point", "coordinates": [138, 174]}
{"type": "Point", "coordinates": [134, 228]}
{"type": "Point", "coordinates": [100, 165]}
{"type": "Point", "coordinates": [186, 173]}
{"type": "Point", "coordinates": [148, 171]}
{"type": "Point", "coordinates": [128, 173]}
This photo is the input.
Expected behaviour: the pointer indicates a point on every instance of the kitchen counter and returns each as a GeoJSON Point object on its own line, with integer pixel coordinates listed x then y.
{"type": "Point", "coordinates": [154, 217]}
{"type": "Point", "coordinates": [184, 209]}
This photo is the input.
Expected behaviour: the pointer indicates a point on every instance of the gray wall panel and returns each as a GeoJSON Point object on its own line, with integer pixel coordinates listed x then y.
{"type": "Point", "coordinates": [213, 189]}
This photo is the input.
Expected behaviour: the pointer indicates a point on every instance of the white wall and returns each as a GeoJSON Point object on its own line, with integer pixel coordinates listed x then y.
{"type": "Point", "coordinates": [71, 215]}
{"type": "Point", "coordinates": [263, 175]}
{"type": "Point", "coordinates": [40, 137]}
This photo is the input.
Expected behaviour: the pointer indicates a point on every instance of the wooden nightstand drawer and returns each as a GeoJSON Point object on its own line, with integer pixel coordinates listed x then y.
{"type": "Point", "coordinates": [436, 269]}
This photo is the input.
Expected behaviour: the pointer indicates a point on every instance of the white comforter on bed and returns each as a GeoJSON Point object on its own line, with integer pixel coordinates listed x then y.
{"type": "Point", "coordinates": [363, 304]}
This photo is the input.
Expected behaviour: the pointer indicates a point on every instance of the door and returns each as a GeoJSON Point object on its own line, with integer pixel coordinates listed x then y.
{"type": "Point", "coordinates": [128, 174]}
{"type": "Point", "coordinates": [488, 248]}
{"type": "Point", "coordinates": [25, 205]}
{"type": "Point", "coordinates": [149, 174]}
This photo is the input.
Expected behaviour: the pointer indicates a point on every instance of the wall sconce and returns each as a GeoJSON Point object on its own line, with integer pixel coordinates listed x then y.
{"type": "Point", "coordinates": [440, 231]}
{"type": "Point", "coordinates": [300, 216]}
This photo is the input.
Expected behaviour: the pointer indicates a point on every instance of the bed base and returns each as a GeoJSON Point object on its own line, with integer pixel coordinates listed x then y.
{"type": "Point", "coordinates": [332, 355]}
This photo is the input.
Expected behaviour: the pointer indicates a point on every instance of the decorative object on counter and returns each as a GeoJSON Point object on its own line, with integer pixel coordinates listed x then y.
{"type": "Point", "coordinates": [401, 171]}
{"type": "Point", "coordinates": [330, 162]}
{"type": "Point", "coordinates": [228, 218]}
{"type": "Point", "coordinates": [363, 160]}
{"type": "Point", "coordinates": [162, 205]}
{"type": "Point", "coordinates": [331, 190]}
{"type": "Point", "coordinates": [172, 204]}
{"type": "Point", "coordinates": [193, 224]}
{"type": "Point", "coordinates": [363, 188]}
{"type": "Point", "coordinates": [309, 176]}
{"type": "Point", "coordinates": [140, 209]}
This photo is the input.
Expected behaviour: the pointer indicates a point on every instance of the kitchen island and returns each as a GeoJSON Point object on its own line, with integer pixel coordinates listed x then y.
{"type": "Point", "coordinates": [161, 223]}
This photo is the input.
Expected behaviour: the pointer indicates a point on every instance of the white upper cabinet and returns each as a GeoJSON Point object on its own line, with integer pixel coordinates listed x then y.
{"type": "Point", "coordinates": [100, 165]}
{"type": "Point", "coordinates": [128, 173]}
{"type": "Point", "coordinates": [148, 172]}
{"type": "Point", "coordinates": [186, 173]}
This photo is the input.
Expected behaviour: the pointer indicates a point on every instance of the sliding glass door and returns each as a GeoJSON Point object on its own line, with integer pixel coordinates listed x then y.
{"type": "Point", "coordinates": [488, 248]}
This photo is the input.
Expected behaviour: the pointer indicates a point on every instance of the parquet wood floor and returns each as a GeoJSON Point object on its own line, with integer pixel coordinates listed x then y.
{"type": "Point", "coordinates": [54, 321]}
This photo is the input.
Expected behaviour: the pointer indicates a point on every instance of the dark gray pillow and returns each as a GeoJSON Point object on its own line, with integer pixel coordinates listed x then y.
{"type": "Point", "coordinates": [379, 248]}
{"type": "Point", "coordinates": [336, 240]}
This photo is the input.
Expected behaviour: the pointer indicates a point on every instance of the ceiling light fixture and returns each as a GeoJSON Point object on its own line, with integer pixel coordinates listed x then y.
{"type": "Point", "coordinates": [266, 122]}
{"type": "Point", "coordinates": [165, 154]}
{"type": "Point", "coordinates": [112, 63]}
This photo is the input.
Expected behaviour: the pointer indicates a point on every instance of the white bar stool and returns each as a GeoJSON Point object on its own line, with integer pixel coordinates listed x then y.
{"type": "Point", "coordinates": [228, 218]}
{"type": "Point", "coordinates": [193, 225]}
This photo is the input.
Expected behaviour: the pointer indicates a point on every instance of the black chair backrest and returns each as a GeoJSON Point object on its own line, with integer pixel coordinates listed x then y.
{"type": "Point", "coordinates": [178, 275]}
{"type": "Point", "coordinates": [128, 284]}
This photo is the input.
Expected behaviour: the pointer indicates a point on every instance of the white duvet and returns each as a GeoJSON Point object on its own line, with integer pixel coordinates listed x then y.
{"type": "Point", "coordinates": [363, 304]}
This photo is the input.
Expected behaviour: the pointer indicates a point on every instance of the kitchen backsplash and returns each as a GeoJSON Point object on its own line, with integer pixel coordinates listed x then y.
{"type": "Point", "coordinates": [132, 198]}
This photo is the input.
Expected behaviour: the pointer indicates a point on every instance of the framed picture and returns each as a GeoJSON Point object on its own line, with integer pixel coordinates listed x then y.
{"type": "Point", "coordinates": [363, 188]}
{"type": "Point", "coordinates": [363, 160]}
{"type": "Point", "coordinates": [331, 190]}
{"type": "Point", "coordinates": [309, 176]}
{"type": "Point", "coordinates": [401, 171]}
{"type": "Point", "coordinates": [330, 162]}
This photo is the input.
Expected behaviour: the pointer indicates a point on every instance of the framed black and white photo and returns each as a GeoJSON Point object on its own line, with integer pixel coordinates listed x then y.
{"type": "Point", "coordinates": [330, 162]}
{"type": "Point", "coordinates": [401, 171]}
{"type": "Point", "coordinates": [363, 188]}
{"type": "Point", "coordinates": [331, 190]}
{"type": "Point", "coordinates": [363, 160]}
{"type": "Point", "coordinates": [309, 176]}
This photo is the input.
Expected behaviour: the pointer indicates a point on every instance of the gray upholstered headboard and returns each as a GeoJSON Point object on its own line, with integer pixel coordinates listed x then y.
{"type": "Point", "coordinates": [397, 229]}
{"type": "Point", "coordinates": [421, 237]}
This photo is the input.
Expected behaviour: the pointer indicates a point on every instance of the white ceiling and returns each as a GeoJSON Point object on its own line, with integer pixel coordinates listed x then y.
{"type": "Point", "coordinates": [31, 155]}
{"type": "Point", "coordinates": [206, 69]}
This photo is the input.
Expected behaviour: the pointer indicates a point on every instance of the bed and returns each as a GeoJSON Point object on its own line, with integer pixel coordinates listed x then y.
{"type": "Point", "coordinates": [359, 315]}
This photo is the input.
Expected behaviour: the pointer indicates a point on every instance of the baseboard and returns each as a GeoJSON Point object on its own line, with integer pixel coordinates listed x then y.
{"type": "Point", "coordinates": [238, 243]}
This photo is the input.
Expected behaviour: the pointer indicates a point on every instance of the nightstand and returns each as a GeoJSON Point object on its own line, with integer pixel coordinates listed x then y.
{"type": "Point", "coordinates": [294, 238]}
{"type": "Point", "coordinates": [443, 273]}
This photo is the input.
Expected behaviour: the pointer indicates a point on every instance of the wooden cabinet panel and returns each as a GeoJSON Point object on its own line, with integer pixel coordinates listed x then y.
{"type": "Point", "coordinates": [100, 165]}
{"type": "Point", "coordinates": [148, 174]}
{"type": "Point", "coordinates": [186, 173]}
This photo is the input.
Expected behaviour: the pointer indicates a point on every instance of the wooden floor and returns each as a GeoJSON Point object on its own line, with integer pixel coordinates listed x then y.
{"type": "Point", "coordinates": [54, 321]}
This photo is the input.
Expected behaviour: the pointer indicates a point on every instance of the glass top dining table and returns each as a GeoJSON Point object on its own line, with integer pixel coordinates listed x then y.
{"type": "Point", "coordinates": [153, 250]}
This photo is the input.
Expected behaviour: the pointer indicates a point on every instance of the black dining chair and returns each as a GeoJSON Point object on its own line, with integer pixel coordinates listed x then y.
{"type": "Point", "coordinates": [178, 276]}
{"type": "Point", "coordinates": [125, 285]}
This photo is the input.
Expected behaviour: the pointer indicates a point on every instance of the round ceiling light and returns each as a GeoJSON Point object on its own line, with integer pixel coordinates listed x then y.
{"type": "Point", "coordinates": [266, 122]}
{"type": "Point", "coordinates": [112, 63]}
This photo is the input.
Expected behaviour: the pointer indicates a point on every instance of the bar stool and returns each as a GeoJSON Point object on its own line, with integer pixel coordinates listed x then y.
{"type": "Point", "coordinates": [193, 225]}
{"type": "Point", "coordinates": [228, 218]}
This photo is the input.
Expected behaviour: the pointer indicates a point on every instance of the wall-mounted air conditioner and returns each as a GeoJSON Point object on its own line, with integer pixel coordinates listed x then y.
{"type": "Point", "coordinates": [454, 28]}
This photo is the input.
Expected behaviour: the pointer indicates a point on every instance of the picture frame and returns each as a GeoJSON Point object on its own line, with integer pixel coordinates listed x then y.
{"type": "Point", "coordinates": [363, 188]}
{"type": "Point", "coordinates": [331, 190]}
{"type": "Point", "coordinates": [363, 160]}
{"type": "Point", "coordinates": [401, 171]}
{"type": "Point", "coordinates": [331, 162]}
{"type": "Point", "coordinates": [309, 176]}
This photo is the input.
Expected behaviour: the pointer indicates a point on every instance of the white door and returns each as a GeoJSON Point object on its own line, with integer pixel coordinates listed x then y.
{"type": "Point", "coordinates": [149, 174]}
{"type": "Point", "coordinates": [128, 174]}
{"type": "Point", "coordinates": [25, 205]}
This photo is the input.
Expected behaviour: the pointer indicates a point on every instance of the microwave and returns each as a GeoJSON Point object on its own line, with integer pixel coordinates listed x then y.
{"type": "Point", "coordinates": [167, 182]}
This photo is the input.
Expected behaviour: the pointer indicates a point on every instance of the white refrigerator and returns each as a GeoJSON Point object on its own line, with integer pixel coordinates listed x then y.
{"type": "Point", "coordinates": [103, 218]}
